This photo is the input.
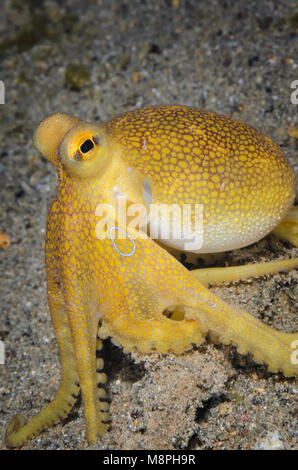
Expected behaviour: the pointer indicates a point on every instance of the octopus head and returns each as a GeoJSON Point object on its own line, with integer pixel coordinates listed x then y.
{"type": "Point", "coordinates": [80, 149]}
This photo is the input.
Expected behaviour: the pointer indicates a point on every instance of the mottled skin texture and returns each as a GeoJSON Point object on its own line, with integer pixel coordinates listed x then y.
{"type": "Point", "coordinates": [188, 156]}
{"type": "Point", "coordinates": [193, 156]}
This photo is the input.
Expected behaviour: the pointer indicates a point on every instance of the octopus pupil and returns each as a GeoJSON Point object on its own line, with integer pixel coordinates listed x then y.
{"type": "Point", "coordinates": [86, 146]}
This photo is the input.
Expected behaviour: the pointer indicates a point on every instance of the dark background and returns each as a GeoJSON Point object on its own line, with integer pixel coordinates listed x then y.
{"type": "Point", "coordinates": [95, 59]}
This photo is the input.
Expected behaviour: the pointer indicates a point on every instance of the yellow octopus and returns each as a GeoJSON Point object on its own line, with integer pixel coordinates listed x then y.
{"type": "Point", "coordinates": [131, 288]}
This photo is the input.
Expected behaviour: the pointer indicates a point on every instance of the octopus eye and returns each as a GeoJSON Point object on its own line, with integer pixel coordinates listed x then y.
{"type": "Point", "coordinates": [84, 151]}
{"type": "Point", "coordinates": [86, 146]}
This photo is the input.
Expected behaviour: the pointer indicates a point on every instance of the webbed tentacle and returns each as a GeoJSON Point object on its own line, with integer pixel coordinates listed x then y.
{"type": "Point", "coordinates": [84, 327]}
{"type": "Point", "coordinates": [230, 325]}
{"type": "Point", "coordinates": [101, 380]}
{"type": "Point", "coordinates": [136, 317]}
{"type": "Point", "coordinates": [217, 276]}
{"type": "Point", "coordinates": [18, 431]}
{"type": "Point", "coordinates": [288, 227]}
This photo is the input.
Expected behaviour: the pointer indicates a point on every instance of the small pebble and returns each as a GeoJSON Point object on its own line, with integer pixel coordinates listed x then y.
{"type": "Point", "coordinates": [271, 441]}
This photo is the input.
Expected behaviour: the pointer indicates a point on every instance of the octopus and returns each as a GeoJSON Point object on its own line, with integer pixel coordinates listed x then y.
{"type": "Point", "coordinates": [109, 278]}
